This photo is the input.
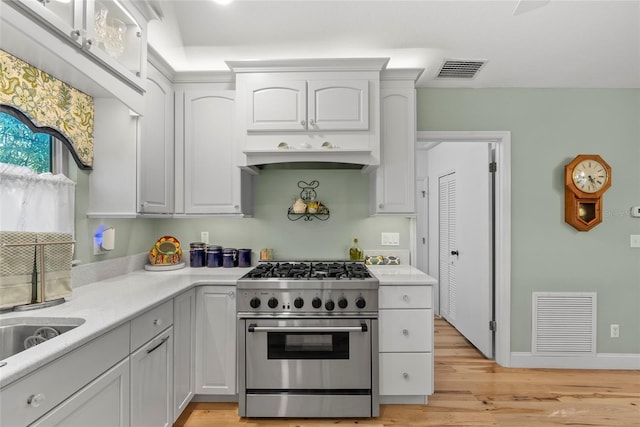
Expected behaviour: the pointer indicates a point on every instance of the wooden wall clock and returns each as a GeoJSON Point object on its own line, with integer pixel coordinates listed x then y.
{"type": "Point", "coordinates": [586, 179]}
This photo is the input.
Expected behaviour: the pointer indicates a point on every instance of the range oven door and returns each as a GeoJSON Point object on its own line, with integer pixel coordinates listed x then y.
{"type": "Point", "coordinates": [308, 354]}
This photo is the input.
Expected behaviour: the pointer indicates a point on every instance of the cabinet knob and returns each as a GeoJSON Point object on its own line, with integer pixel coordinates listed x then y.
{"type": "Point", "coordinates": [381, 206]}
{"type": "Point", "coordinates": [405, 298]}
{"type": "Point", "coordinates": [232, 294]}
{"type": "Point", "coordinates": [35, 399]}
{"type": "Point", "coordinates": [405, 332]}
{"type": "Point", "coordinates": [405, 375]}
{"type": "Point", "coordinates": [88, 42]}
{"type": "Point", "coordinates": [157, 322]}
{"type": "Point", "coordinates": [303, 122]}
{"type": "Point", "coordinates": [312, 122]}
{"type": "Point", "coordinates": [75, 34]}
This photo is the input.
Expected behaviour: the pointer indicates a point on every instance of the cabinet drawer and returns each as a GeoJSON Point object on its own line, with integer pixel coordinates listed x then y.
{"type": "Point", "coordinates": [406, 374]}
{"type": "Point", "coordinates": [405, 296]}
{"type": "Point", "coordinates": [53, 383]}
{"type": "Point", "coordinates": [150, 324]}
{"type": "Point", "coordinates": [406, 330]}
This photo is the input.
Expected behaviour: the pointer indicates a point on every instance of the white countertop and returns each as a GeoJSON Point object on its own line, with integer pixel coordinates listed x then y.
{"type": "Point", "coordinates": [109, 303]}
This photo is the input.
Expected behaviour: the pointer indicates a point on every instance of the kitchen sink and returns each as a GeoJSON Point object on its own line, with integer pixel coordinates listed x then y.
{"type": "Point", "coordinates": [19, 334]}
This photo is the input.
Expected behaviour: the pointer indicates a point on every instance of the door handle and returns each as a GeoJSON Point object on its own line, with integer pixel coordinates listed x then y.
{"type": "Point", "coordinates": [150, 350]}
{"type": "Point", "coordinates": [255, 328]}
{"type": "Point", "coordinates": [456, 253]}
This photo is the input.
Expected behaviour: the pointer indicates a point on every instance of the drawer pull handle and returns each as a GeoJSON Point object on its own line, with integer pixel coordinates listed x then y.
{"type": "Point", "coordinates": [405, 298]}
{"type": "Point", "coordinates": [152, 349]}
{"type": "Point", "coordinates": [405, 332]}
{"type": "Point", "coordinates": [35, 399]}
{"type": "Point", "coordinates": [157, 322]}
{"type": "Point", "coordinates": [405, 375]}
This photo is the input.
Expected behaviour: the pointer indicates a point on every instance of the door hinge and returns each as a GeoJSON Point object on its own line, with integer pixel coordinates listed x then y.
{"type": "Point", "coordinates": [493, 166]}
{"type": "Point", "coordinates": [492, 325]}
{"type": "Point", "coordinates": [424, 194]}
{"type": "Point", "coordinates": [424, 241]}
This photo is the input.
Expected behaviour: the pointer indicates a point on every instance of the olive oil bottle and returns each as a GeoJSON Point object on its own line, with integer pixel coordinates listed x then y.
{"type": "Point", "coordinates": [355, 253]}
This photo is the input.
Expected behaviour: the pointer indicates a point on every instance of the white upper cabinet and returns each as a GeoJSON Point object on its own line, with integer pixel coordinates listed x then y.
{"type": "Point", "coordinates": [392, 184]}
{"type": "Point", "coordinates": [338, 105]}
{"type": "Point", "coordinates": [213, 184]}
{"type": "Point", "coordinates": [308, 105]}
{"type": "Point", "coordinates": [112, 32]}
{"type": "Point", "coordinates": [156, 147]}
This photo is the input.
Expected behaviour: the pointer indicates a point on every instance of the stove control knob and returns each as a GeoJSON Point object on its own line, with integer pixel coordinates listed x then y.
{"type": "Point", "coordinates": [273, 302]}
{"type": "Point", "coordinates": [255, 302]}
{"type": "Point", "coordinates": [298, 302]}
{"type": "Point", "coordinates": [342, 302]}
{"type": "Point", "coordinates": [329, 305]}
{"type": "Point", "coordinates": [316, 302]}
{"type": "Point", "coordinates": [360, 302]}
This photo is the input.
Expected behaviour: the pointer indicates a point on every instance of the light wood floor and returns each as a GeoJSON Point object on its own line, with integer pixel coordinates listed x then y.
{"type": "Point", "coordinates": [473, 391]}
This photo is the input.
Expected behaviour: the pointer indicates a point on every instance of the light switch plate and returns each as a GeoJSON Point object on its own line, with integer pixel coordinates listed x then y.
{"type": "Point", "coordinates": [390, 239]}
{"type": "Point", "coordinates": [635, 240]}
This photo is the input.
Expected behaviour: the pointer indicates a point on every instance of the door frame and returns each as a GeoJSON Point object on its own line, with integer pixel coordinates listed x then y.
{"type": "Point", "coordinates": [502, 230]}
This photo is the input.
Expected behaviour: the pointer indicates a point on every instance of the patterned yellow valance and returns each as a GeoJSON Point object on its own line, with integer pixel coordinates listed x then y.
{"type": "Point", "coordinates": [50, 104]}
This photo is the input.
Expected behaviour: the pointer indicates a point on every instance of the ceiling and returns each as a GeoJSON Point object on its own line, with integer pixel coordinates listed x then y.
{"type": "Point", "coordinates": [547, 43]}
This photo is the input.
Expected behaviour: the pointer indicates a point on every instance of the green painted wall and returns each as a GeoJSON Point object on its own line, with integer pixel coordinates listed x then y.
{"type": "Point", "coordinates": [344, 192]}
{"type": "Point", "coordinates": [548, 128]}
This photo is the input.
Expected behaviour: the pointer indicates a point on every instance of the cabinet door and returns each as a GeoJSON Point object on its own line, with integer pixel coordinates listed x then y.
{"type": "Point", "coordinates": [211, 178]}
{"type": "Point", "coordinates": [215, 340]}
{"type": "Point", "coordinates": [406, 374]}
{"type": "Point", "coordinates": [184, 334]}
{"type": "Point", "coordinates": [65, 17]}
{"type": "Point", "coordinates": [103, 402]}
{"type": "Point", "coordinates": [338, 104]}
{"type": "Point", "coordinates": [152, 382]}
{"type": "Point", "coordinates": [406, 330]}
{"type": "Point", "coordinates": [156, 148]}
{"type": "Point", "coordinates": [117, 37]}
{"type": "Point", "coordinates": [277, 105]}
{"type": "Point", "coordinates": [395, 177]}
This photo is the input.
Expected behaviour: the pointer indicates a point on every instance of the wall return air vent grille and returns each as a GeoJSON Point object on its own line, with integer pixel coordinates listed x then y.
{"type": "Point", "coordinates": [564, 323]}
{"type": "Point", "coordinates": [460, 69]}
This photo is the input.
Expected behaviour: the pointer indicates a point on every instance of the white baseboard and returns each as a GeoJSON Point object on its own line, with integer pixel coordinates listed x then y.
{"type": "Point", "coordinates": [618, 361]}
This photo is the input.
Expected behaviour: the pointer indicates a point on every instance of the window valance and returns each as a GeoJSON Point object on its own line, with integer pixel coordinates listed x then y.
{"type": "Point", "coordinates": [49, 104]}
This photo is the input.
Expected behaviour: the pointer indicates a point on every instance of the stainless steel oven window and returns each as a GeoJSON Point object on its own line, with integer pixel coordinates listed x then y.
{"type": "Point", "coordinates": [310, 346]}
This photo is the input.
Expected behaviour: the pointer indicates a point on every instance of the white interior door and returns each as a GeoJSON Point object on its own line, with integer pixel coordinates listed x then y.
{"type": "Point", "coordinates": [465, 249]}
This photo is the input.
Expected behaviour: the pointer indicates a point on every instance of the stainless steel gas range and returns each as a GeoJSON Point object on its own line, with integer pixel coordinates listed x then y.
{"type": "Point", "coordinates": [308, 340]}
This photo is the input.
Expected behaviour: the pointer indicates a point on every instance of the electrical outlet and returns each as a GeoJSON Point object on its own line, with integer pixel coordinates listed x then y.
{"type": "Point", "coordinates": [204, 237]}
{"type": "Point", "coordinates": [390, 239]}
{"type": "Point", "coordinates": [615, 331]}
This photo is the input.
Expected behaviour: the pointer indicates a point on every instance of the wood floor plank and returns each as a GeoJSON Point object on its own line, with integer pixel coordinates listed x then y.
{"type": "Point", "coordinates": [473, 391]}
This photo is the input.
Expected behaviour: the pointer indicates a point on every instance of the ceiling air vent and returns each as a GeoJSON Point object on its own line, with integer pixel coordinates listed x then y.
{"type": "Point", "coordinates": [460, 69]}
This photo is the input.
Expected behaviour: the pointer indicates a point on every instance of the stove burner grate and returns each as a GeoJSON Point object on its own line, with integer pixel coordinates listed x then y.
{"type": "Point", "coordinates": [309, 270]}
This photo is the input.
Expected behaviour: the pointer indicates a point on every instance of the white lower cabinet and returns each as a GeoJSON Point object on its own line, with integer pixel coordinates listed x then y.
{"type": "Point", "coordinates": [152, 367]}
{"type": "Point", "coordinates": [152, 382]}
{"type": "Point", "coordinates": [406, 343]}
{"type": "Point", "coordinates": [216, 340]}
{"type": "Point", "coordinates": [69, 382]}
{"type": "Point", "coordinates": [184, 347]}
{"type": "Point", "coordinates": [103, 402]}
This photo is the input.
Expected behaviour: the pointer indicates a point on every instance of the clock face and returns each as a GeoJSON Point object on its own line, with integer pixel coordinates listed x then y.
{"type": "Point", "coordinates": [589, 176]}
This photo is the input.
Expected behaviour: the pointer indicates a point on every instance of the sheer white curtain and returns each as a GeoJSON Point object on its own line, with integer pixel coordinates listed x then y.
{"type": "Point", "coordinates": [35, 202]}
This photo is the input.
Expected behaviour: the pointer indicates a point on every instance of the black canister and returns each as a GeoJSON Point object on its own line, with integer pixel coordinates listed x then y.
{"type": "Point", "coordinates": [229, 257]}
{"type": "Point", "coordinates": [214, 256]}
{"type": "Point", "coordinates": [196, 254]}
{"type": "Point", "coordinates": [244, 257]}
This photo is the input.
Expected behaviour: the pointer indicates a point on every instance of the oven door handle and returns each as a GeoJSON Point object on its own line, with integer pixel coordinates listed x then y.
{"type": "Point", "coordinates": [255, 328]}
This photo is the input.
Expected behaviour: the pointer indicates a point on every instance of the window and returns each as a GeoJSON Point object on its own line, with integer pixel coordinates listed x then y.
{"type": "Point", "coordinates": [19, 145]}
